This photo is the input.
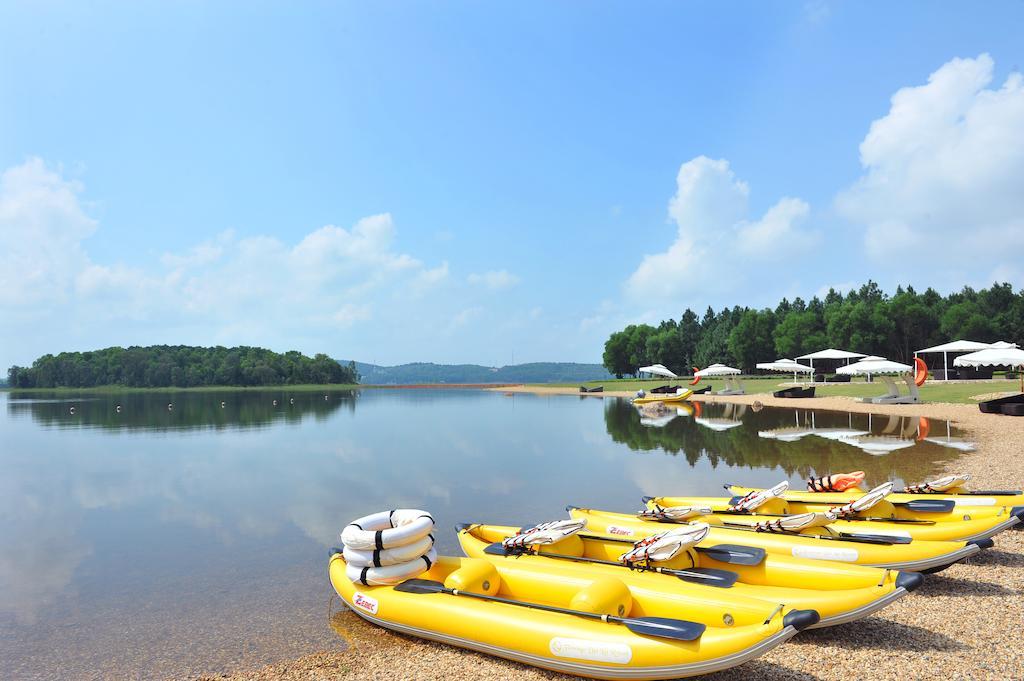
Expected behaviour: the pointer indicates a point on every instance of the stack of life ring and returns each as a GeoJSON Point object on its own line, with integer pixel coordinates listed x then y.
{"type": "Point", "coordinates": [389, 547]}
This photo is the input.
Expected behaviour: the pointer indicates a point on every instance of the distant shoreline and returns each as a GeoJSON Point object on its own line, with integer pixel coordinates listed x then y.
{"type": "Point", "coordinates": [193, 389]}
{"type": "Point", "coordinates": [254, 388]}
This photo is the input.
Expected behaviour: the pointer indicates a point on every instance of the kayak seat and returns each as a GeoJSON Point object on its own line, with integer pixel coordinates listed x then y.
{"type": "Point", "coordinates": [604, 596]}
{"type": "Point", "coordinates": [474, 575]}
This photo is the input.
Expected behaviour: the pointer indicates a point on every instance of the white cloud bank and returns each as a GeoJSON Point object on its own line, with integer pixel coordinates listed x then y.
{"type": "Point", "coordinates": [710, 209]}
{"type": "Point", "coordinates": [232, 290]}
{"type": "Point", "coordinates": [944, 171]}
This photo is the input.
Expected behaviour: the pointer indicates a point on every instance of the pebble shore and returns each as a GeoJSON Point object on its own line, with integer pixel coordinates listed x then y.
{"type": "Point", "coordinates": [963, 623]}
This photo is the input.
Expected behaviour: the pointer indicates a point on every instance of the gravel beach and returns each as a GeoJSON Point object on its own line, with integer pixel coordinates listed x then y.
{"type": "Point", "coordinates": [964, 623]}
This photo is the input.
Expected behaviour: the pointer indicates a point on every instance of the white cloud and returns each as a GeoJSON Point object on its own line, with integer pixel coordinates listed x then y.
{"type": "Point", "coordinates": [256, 289]}
{"type": "Point", "coordinates": [943, 169]}
{"type": "Point", "coordinates": [709, 210]}
{"type": "Point", "coordinates": [493, 280]}
{"type": "Point", "coordinates": [42, 226]}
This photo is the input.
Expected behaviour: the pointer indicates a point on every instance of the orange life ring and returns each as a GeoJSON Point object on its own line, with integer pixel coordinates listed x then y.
{"type": "Point", "coordinates": [920, 372]}
{"type": "Point", "coordinates": [696, 378]}
{"type": "Point", "coordinates": [924, 426]}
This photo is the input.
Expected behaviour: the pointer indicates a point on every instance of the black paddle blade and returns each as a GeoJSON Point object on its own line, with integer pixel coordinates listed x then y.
{"type": "Point", "coordinates": [663, 627]}
{"type": "Point", "coordinates": [874, 538]}
{"type": "Point", "coordinates": [420, 586]}
{"type": "Point", "coordinates": [732, 553]}
{"type": "Point", "coordinates": [496, 549]}
{"type": "Point", "coordinates": [928, 505]}
{"type": "Point", "coordinates": [723, 579]}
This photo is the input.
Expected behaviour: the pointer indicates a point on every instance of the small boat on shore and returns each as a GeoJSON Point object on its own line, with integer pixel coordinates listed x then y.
{"type": "Point", "coordinates": [561, 618]}
{"type": "Point", "coordinates": [681, 396]}
{"type": "Point", "coordinates": [839, 593]}
{"type": "Point", "coordinates": [897, 553]}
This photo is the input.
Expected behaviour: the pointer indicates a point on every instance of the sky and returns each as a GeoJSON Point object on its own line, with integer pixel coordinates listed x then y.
{"type": "Point", "coordinates": [495, 184]}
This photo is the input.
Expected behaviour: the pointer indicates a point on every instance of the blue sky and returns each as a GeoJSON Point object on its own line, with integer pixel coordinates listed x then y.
{"type": "Point", "coordinates": [465, 182]}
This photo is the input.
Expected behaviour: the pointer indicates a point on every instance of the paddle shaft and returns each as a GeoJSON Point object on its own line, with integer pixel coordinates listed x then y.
{"type": "Point", "coordinates": [664, 571]}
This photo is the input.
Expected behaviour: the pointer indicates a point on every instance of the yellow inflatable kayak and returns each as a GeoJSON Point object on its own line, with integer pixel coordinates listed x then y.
{"type": "Point", "coordinates": [569, 620]}
{"type": "Point", "coordinates": [839, 593]}
{"type": "Point", "coordinates": [929, 518]}
{"type": "Point", "coordinates": [877, 524]}
{"type": "Point", "coordinates": [959, 496]}
{"type": "Point", "coordinates": [916, 555]}
{"type": "Point", "coordinates": [677, 398]}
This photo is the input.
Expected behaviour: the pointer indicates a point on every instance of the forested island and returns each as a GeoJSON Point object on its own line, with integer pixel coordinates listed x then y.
{"type": "Point", "coordinates": [866, 320]}
{"type": "Point", "coordinates": [182, 366]}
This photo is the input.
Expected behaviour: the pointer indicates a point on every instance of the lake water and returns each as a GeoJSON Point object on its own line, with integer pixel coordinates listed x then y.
{"type": "Point", "coordinates": [149, 542]}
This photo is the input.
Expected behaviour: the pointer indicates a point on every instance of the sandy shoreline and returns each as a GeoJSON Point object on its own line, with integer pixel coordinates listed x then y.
{"type": "Point", "coordinates": [963, 623]}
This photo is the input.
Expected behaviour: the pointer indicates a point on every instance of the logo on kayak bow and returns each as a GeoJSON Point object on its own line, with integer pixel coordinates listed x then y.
{"type": "Point", "coordinates": [364, 602]}
{"type": "Point", "coordinates": [620, 531]}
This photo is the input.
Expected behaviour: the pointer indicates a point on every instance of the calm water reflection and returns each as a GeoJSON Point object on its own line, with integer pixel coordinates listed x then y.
{"type": "Point", "coordinates": [153, 542]}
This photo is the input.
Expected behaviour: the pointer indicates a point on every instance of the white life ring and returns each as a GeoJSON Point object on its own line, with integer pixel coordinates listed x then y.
{"type": "Point", "coordinates": [385, 557]}
{"type": "Point", "coordinates": [387, 529]}
{"type": "Point", "coordinates": [390, 574]}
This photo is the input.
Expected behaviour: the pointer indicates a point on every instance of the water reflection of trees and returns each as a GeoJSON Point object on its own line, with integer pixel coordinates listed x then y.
{"type": "Point", "coordinates": [188, 411]}
{"type": "Point", "coordinates": [805, 456]}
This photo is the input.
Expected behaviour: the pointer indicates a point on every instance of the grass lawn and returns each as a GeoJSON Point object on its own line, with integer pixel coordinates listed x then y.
{"type": "Point", "coordinates": [932, 391]}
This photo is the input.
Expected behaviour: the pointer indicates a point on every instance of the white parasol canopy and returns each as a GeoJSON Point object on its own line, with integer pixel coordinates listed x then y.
{"type": "Point", "coordinates": [875, 366]}
{"type": "Point", "coordinates": [1002, 345]}
{"type": "Point", "coordinates": [957, 346]}
{"type": "Point", "coordinates": [994, 357]}
{"type": "Point", "coordinates": [657, 370]}
{"type": "Point", "coordinates": [953, 346]}
{"type": "Point", "coordinates": [716, 370]}
{"type": "Point", "coordinates": [831, 353]}
{"type": "Point", "coordinates": [785, 365]}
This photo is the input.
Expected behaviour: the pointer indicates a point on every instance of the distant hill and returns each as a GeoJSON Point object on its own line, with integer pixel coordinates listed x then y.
{"type": "Point", "coordinates": [536, 372]}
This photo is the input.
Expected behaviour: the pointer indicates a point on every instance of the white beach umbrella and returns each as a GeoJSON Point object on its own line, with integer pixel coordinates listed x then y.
{"type": "Point", "coordinates": [953, 346]}
{"type": "Point", "coordinates": [657, 370]}
{"type": "Point", "coordinates": [875, 366]}
{"type": "Point", "coordinates": [786, 365]}
{"type": "Point", "coordinates": [1003, 345]}
{"type": "Point", "coordinates": [830, 353]}
{"type": "Point", "coordinates": [994, 357]}
{"type": "Point", "coordinates": [717, 370]}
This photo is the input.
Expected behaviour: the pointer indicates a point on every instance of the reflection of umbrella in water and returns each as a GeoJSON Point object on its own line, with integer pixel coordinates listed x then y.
{"type": "Point", "coordinates": [785, 434]}
{"type": "Point", "coordinates": [877, 445]}
{"type": "Point", "coordinates": [718, 423]}
{"type": "Point", "coordinates": [788, 433]}
{"type": "Point", "coordinates": [731, 417]}
{"type": "Point", "coordinates": [951, 442]}
{"type": "Point", "coordinates": [658, 421]}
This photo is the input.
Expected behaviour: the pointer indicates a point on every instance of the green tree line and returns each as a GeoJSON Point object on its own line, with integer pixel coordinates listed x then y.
{"type": "Point", "coordinates": [160, 366]}
{"type": "Point", "coordinates": [866, 320]}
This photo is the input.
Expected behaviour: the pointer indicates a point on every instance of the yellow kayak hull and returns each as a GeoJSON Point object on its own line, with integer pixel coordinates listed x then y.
{"type": "Point", "coordinates": [839, 593]}
{"type": "Point", "coordinates": [667, 399]}
{"type": "Point", "coordinates": [917, 555]}
{"type": "Point", "coordinates": [963, 523]}
{"type": "Point", "coordinates": [564, 642]}
{"type": "Point", "coordinates": [961, 498]}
